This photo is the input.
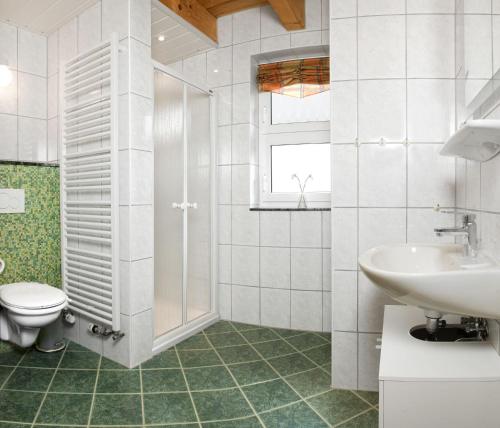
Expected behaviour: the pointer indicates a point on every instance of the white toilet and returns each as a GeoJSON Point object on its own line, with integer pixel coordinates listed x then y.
{"type": "Point", "coordinates": [25, 308]}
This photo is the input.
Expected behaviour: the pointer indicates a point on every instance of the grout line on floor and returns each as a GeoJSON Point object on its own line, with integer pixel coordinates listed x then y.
{"type": "Point", "coordinates": [175, 391]}
{"type": "Point", "coordinates": [173, 368]}
{"type": "Point", "coordinates": [365, 400]}
{"type": "Point", "coordinates": [284, 380]}
{"type": "Point", "coordinates": [48, 387]}
{"type": "Point", "coordinates": [228, 366]}
{"type": "Point", "coordinates": [94, 393]}
{"type": "Point", "coordinates": [232, 331]}
{"type": "Point", "coordinates": [142, 396]}
{"type": "Point", "coordinates": [323, 369]}
{"type": "Point", "coordinates": [352, 417]}
{"type": "Point", "coordinates": [305, 356]}
{"type": "Point", "coordinates": [241, 418]}
{"type": "Point", "coordinates": [298, 401]}
{"type": "Point", "coordinates": [187, 386]}
{"type": "Point", "coordinates": [236, 382]}
{"type": "Point", "coordinates": [12, 372]}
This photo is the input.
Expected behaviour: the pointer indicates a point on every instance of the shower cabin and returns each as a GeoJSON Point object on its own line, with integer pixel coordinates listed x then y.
{"type": "Point", "coordinates": [184, 203]}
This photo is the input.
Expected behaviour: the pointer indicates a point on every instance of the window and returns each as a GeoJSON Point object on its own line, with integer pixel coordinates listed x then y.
{"type": "Point", "coordinates": [294, 144]}
{"type": "Point", "coordinates": [293, 162]}
{"type": "Point", "coordinates": [289, 109]}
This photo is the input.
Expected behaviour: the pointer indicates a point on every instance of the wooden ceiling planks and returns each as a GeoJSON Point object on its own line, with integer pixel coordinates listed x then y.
{"type": "Point", "coordinates": [203, 14]}
{"type": "Point", "coordinates": [196, 14]}
{"type": "Point", "coordinates": [226, 7]}
{"type": "Point", "coordinates": [290, 12]}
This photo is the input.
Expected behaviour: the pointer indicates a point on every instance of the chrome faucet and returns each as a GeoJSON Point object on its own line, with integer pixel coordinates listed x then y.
{"type": "Point", "coordinates": [468, 230]}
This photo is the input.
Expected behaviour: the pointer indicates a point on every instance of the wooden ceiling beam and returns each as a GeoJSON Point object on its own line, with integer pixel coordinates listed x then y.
{"type": "Point", "coordinates": [291, 13]}
{"type": "Point", "coordinates": [202, 14]}
{"type": "Point", "coordinates": [226, 7]}
{"type": "Point", "coordinates": [196, 14]}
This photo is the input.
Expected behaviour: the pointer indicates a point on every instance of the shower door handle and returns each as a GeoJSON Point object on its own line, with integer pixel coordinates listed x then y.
{"type": "Point", "coordinates": [180, 206]}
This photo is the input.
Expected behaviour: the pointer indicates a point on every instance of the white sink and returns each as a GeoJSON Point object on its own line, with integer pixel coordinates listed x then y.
{"type": "Point", "coordinates": [436, 277]}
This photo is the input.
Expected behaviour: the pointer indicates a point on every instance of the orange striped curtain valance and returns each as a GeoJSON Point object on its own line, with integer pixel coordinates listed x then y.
{"type": "Point", "coordinates": [300, 77]}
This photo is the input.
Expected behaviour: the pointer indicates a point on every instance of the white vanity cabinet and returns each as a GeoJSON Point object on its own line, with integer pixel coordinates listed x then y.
{"type": "Point", "coordinates": [428, 384]}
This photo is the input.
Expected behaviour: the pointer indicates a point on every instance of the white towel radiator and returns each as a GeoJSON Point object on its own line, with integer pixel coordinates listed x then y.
{"type": "Point", "coordinates": [89, 184]}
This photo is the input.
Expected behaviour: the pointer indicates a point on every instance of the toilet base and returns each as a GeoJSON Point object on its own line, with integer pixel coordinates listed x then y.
{"type": "Point", "coordinates": [51, 337]}
{"type": "Point", "coordinates": [12, 332]}
{"type": "Point", "coordinates": [57, 347]}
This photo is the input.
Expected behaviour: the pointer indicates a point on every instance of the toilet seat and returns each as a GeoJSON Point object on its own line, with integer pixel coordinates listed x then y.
{"type": "Point", "coordinates": [31, 296]}
{"type": "Point", "coordinates": [25, 308]}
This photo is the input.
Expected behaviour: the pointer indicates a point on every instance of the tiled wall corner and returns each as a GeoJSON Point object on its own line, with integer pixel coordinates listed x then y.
{"type": "Point", "coordinates": [393, 104]}
{"type": "Point", "coordinates": [23, 103]}
{"type": "Point", "coordinates": [132, 21]}
{"type": "Point", "coordinates": [478, 60]}
{"type": "Point", "coordinates": [251, 289]}
{"type": "Point", "coordinates": [136, 177]}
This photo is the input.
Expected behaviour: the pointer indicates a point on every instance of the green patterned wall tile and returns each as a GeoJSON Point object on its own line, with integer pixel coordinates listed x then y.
{"type": "Point", "coordinates": [30, 242]}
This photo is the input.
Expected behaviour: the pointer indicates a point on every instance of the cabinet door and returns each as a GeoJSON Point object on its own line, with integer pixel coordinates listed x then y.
{"type": "Point", "coordinates": [454, 404]}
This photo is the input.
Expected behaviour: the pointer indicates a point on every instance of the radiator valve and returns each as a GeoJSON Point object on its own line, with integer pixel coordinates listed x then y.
{"type": "Point", "coordinates": [105, 332]}
{"type": "Point", "coordinates": [117, 335]}
{"type": "Point", "coordinates": [68, 316]}
{"type": "Point", "coordinates": [99, 330]}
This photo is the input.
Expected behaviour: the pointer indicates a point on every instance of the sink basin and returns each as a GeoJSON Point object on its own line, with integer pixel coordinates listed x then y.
{"type": "Point", "coordinates": [436, 277]}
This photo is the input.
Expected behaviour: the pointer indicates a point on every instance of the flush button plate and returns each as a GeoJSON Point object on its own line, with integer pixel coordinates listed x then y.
{"type": "Point", "coordinates": [11, 201]}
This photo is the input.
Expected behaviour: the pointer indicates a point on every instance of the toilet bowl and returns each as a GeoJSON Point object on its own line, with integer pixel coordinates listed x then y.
{"type": "Point", "coordinates": [25, 307]}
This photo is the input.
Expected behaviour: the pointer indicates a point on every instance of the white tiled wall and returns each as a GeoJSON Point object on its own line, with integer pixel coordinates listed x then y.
{"type": "Point", "coordinates": [393, 80]}
{"type": "Point", "coordinates": [23, 104]}
{"type": "Point", "coordinates": [131, 19]}
{"type": "Point", "coordinates": [273, 266]}
{"type": "Point", "coordinates": [478, 60]}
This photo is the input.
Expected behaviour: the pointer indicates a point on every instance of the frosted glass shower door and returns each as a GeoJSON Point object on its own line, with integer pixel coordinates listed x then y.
{"type": "Point", "coordinates": [183, 207]}
{"type": "Point", "coordinates": [169, 190]}
{"type": "Point", "coordinates": [198, 287]}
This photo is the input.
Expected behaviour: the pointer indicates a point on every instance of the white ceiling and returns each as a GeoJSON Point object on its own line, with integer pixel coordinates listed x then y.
{"type": "Point", "coordinates": [45, 16]}
{"type": "Point", "coordinates": [181, 39]}
{"type": "Point", "coordinates": [42, 16]}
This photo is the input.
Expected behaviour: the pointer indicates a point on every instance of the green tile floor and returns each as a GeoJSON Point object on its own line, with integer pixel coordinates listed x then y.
{"type": "Point", "coordinates": [229, 375]}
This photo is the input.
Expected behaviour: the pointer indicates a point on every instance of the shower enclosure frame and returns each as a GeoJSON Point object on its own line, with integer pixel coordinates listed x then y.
{"type": "Point", "coordinates": [188, 328]}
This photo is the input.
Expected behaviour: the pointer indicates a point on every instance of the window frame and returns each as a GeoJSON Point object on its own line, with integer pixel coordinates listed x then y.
{"type": "Point", "coordinates": [286, 134]}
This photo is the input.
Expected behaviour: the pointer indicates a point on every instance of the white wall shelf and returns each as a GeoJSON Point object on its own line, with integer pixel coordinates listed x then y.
{"type": "Point", "coordinates": [477, 140]}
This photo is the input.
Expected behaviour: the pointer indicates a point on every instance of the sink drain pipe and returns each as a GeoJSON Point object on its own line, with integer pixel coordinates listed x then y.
{"type": "Point", "coordinates": [433, 321]}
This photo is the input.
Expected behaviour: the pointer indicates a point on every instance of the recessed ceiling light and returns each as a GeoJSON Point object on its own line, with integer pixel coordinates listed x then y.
{"type": "Point", "coordinates": [216, 70]}
{"type": "Point", "coordinates": [161, 38]}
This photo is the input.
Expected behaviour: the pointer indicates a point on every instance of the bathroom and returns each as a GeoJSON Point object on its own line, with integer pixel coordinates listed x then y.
{"type": "Point", "coordinates": [217, 213]}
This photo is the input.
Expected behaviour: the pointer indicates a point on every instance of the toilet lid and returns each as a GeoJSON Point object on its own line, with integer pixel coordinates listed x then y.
{"type": "Point", "coordinates": [31, 295]}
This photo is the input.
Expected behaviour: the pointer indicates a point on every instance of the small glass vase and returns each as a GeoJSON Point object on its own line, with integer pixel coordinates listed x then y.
{"type": "Point", "coordinates": [302, 202]}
